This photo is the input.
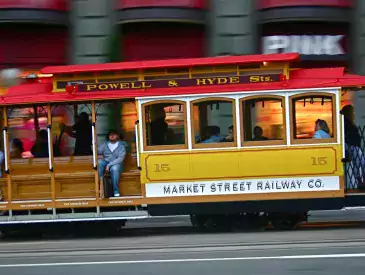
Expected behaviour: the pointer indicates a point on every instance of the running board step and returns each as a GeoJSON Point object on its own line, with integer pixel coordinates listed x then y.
{"type": "Point", "coordinates": [74, 217]}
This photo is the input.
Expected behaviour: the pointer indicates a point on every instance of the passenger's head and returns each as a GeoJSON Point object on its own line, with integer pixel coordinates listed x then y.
{"type": "Point", "coordinates": [322, 125]}
{"type": "Point", "coordinates": [18, 144]}
{"type": "Point", "coordinates": [113, 136]}
{"type": "Point", "coordinates": [257, 131]}
{"type": "Point", "coordinates": [348, 112]}
{"type": "Point", "coordinates": [214, 130]}
{"type": "Point", "coordinates": [230, 130]}
{"type": "Point", "coordinates": [83, 117]}
{"type": "Point", "coordinates": [43, 135]}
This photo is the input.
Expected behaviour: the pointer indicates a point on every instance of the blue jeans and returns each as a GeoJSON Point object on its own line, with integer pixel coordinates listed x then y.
{"type": "Point", "coordinates": [115, 172]}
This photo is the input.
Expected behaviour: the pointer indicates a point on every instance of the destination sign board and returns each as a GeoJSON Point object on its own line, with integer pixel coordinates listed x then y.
{"type": "Point", "coordinates": [175, 83]}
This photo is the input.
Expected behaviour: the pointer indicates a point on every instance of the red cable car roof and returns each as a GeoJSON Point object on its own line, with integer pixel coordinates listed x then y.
{"type": "Point", "coordinates": [299, 79]}
{"type": "Point", "coordinates": [173, 63]}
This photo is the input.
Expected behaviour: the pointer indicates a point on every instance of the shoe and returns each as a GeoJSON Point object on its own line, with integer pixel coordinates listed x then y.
{"type": "Point", "coordinates": [116, 195]}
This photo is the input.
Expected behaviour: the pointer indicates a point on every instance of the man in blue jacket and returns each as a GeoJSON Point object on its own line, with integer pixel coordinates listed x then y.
{"type": "Point", "coordinates": [113, 152]}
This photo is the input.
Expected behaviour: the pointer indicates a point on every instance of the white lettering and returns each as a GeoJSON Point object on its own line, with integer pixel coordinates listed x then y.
{"type": "Point", "coordinates": [303, 44]}
{"type": "Point", "coordinates": [231, 187]}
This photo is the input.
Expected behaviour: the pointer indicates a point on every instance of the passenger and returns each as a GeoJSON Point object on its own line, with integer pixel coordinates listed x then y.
{"type": "Point", "coordinates": [82, 132]}
{"type": "Point", "coordinates": [356, 167]}
{"type": "Point", "coordinates": [159, 128]}
{"type": "Point", "coordinates": [40, 148]}
{"type": "Point", "coordinates": [352, 136]}
{"type": "Point", "coordinates": [258, 134]}
{"type": "Point", "coordinates": [2, 159]}
{"type": "Point", "coordinates": [229, 137]}
{"type": "Point", "coordinates": [16, 149]}
{"type": "Point", "coordinates": [213, 134]}
{"type": "Point", "coordinates": [321, 129]}
{"type": "Point", "coordinates": [113, 153]}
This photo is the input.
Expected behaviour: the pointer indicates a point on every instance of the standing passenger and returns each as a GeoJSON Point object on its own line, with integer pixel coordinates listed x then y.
{"type": "Point", "coordinates": [113, 152]}
{"type": "Point", "coordinates": [82, 131]}
{"type": "Point", "coordinates": [353, 150]}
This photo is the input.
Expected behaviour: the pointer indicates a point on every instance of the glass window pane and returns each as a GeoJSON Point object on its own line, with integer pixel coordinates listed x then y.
{"type": "Point", "coordinates": [213, 121]}
{"type": "Point", "coordinates": [263, 119]}
{"type": "Point", "coordinates": [313, 117]}
{"type": "Point", "coordinates": [165, 124]}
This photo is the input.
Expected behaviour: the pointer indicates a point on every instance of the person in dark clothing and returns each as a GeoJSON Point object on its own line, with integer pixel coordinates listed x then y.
{"type": "Point", "coordinates": [258, 134]}
{"type": "Point", "coordinates": [16, 149]}
{"type": "Point", "coordinates": [354, 152]}
{"type": "Point", "coordinates": [82, 132]}
{"type": "Point", "coordinates": [40, 148]}
{"type": "Point", "coordinates": [352, 136]}
{"type": "Point", "coordinates": [159, 128]}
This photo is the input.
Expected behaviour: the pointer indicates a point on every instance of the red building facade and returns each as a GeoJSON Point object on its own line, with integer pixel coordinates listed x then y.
{"type": "Point", "coordinates": [33, 33]}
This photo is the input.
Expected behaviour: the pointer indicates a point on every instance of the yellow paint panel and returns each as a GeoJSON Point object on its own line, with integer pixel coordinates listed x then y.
{"type": "Point", "coordinates": [235, 164]}
{"type": "Point", "coordinates": [167, 167]}
{"type": "Point", "coordinates": [288, 162]}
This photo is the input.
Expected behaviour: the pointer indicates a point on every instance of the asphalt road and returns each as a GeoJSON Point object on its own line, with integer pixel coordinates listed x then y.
{"type": "Point", "coordinates": [320, 251]}
{"type": "Point", "coordinates": [314, 217]}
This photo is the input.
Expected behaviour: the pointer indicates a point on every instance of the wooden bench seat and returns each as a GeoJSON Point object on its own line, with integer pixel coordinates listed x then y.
{"type": "Point", "coordinates": [74, 178]}
{"type": "Point", "coordinates": [4, 188]}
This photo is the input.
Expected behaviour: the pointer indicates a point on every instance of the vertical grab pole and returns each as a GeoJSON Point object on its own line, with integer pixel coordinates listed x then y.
{"type": "Point", "coordinates": [51, 157]}
{"type": "Point", "coordinates": [343, 136]}
{"type": "Point", "coordinates": [95, 155]}
{"type": "Point", "coordinates": [7, 158]}
{"type": "Point", "coordinates": [137, 143]}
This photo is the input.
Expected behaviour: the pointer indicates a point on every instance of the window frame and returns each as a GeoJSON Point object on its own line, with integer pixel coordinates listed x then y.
{"type": "Point", "coordinates": [242, 122]}
{"type": "Point", "coordinates": [164, 147]}
{"type": "Point", "coordinates": [234, 123]}
{"type": "Point", "coordinates": [292, 117]}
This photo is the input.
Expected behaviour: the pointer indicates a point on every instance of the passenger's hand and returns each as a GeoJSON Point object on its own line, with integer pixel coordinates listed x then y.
{"type": "Point", "coordinates": [107, 169]}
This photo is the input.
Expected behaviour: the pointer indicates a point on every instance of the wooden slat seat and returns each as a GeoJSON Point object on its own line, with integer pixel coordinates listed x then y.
{"type": "Point", "coordinates": [30, 179]}
{"type": "Point", "coordinates": [4, 188]}
{"type": "Point", "coordinates": [75, 177]}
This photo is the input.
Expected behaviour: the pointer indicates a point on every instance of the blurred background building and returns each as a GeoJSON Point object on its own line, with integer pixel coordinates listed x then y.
{"type": "Point", "coordinates": [36, 33]}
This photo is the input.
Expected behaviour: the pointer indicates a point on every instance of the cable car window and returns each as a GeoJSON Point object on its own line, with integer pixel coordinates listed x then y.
{"type": "Point", "coordinates": [165, 125]}
{"type": "Point", "coordinates": [313, 118]}
{"type": "Point", "coordinates": [214, 123]}
{"type": "Point", "coordinates": [263, 120]}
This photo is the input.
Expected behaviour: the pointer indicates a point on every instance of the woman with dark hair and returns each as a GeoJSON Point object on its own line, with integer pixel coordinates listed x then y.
{"type": "Point", "coordinates": [16, 148]}
{"type": "Point", "coordinates": [321, 129]}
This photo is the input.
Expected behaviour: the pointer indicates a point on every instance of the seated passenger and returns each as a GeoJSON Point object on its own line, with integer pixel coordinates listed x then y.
{"type": "Point", "coordinates": [16, 148]}
{"type": "Point", "coordinates": [40, 148]}
{"type": "Point", "coordinates": [321, 129]}
{"type": "Point", "coordinates": [229, 137]}
{"type": "Point", "coordinates": [159, 128]}
{"type": "Point", "coordinates": [113, 153]}
{"type": "Point", "coordinates": [82, 132]}
{"type": "Point", "coordinates": [258, 134]}
{"type": "Point", "coordinates": [212, 132]}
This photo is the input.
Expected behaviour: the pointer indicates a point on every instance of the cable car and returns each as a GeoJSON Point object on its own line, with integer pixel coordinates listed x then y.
{"type": "Point", "coordinates": [222, 139]}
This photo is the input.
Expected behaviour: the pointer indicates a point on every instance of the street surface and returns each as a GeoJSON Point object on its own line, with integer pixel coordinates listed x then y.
{"type": "Point", "coordinates": [170, 246]}
{"type": "Point", "coordinates": [304, 251]}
